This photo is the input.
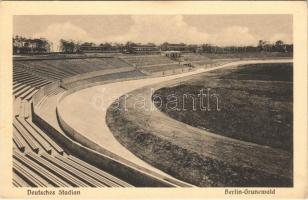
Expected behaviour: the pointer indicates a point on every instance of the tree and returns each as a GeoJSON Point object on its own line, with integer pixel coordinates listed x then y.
{"type": "Point", "coordinates": [68, 46]}
{"type": "Point", "coordinates": [207, 48]}
{"type": "Point", "coordinates": [280, 46]}
{"type": "Point", "coordinates": [164, 46]}
{"type": "Point", "coordinates": [261, 45]}
{"type": "Point", "coordinates": [106, 46]}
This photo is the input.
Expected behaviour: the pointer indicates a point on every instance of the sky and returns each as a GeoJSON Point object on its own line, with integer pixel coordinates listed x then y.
{"type": "Point", "coordinates": [220, 30]}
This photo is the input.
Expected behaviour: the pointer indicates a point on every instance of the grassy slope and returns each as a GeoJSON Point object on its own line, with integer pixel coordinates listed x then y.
{"type": "Point", "coordinates": [255, 102]}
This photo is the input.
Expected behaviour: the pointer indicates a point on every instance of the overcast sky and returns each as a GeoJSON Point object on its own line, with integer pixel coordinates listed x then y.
{"type": "Point", "coordinates": [214, 29]}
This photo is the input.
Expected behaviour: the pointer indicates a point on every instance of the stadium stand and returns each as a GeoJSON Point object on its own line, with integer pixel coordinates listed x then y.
{"type": "Point", "coordinates": [38, 161]}
{"type": "Point", "coordinates": [142, 61]}
{"type": "Point", "coordinates": [194, 57]}
{"type": "Point", "coordinates": [57, 69]}
{"type": "Point", "coordinates": [26, 84]}
{"type": "Point", "coordinates": [159, 68]}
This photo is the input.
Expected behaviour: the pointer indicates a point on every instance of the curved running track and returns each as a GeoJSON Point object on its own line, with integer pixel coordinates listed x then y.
{"type": "Point", "coordinates": [85, 110]}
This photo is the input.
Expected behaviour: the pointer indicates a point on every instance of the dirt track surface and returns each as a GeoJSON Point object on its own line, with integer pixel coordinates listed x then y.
{"type": "Point", "coordinates": [85, 111]}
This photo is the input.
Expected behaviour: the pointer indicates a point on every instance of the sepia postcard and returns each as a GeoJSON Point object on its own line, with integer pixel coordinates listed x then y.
{"type": "Point", "coordinates": [165, 99]}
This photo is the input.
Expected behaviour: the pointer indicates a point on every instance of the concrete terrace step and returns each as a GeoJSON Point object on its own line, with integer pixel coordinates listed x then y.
{"type": "Point", "coordinates": [73, 171]}
{"type": "Point", "coordinates": [26, 136]}
{"type": "Point", "coordinates": [19, 141]}
{"type": "Point", "coordinates": [16, 106]}
{"type": "Point", "coordinates": [21, 87]}
{"type": "Point", "coordinates": [16, 84]}
{"type": "Point", "coordinates": [99, 174]}
{"type": "Point", "coordinates": [72, 180]}
{"type": "Point", "coordinates": [55, 146]}
{"type": "Point", "coordinates": [20, 92]}
{"type": "Point", "coordinates": [44, 144]}
{"type": "Point", "coordinates": [26, 79]}
{"type": "Point", "coordinates": [18, 181]}
{"type": "Point", "coordinates": [29, 96]}
{"type": "Point", "coordinates": [41, 84]}
{"type": "Point", "coordinates": [28, 175]}
{"type": "Point", "coordinates": [24, 95]}
{"type": "Point", "coordinates": [39, 169]}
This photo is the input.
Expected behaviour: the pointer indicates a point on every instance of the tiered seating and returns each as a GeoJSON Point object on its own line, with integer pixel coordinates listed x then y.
{"type": "Point", "coordinates": [25, 173]}
{"type": "Point", "coordinates": [22, 108]}
{"type": "Point", "coordinates": [19, 141]}
{"type": "Point", "coordinates": [162, 68]}
{"type": "Point", "coordinates": [97, 62]}
{"type": "Point", "coordinates": [107, 77]}
{"type": "Point", "coordinates": [42, 69]}
{"type": "Point", "coordinates": [45, 170]}
{"type": "Point", "coordinates": [18, 181]}
{"type": "Point", "coordinates": [94, 172]}
{"type": "Point", "coordinates": [38, 161]}
{"type": "Point", "coordinates": [153, 63]}
{"type": "Point", "coordinates": [196, 59]}
{"type": "Point", "coordinates": [59, 69]}
{"type": "Point", "coordinates": [78, 65]}
{"type": "Point", "coordinates": [25, 84]}
{"type": "Point", "coordinates": [40, 134]}
{"type": "Point", "coordinates": [74, 173]}
{"type": "Point", "coordinates": [28, 163]}
{"type": "Point", "coordinates": [56, 91]}
{"type": "Point", "coordinates": [28, 135]}
{"type": "Point", "coordinates": [116, 62]}
{"type": "Point", "coordinates": [147, 60]}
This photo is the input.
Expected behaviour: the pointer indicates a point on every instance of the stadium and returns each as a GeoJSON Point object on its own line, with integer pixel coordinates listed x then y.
{"type": "Point", "coordinates": [63, 137]}
{"type": "Point", "coordinates": [160, 112]}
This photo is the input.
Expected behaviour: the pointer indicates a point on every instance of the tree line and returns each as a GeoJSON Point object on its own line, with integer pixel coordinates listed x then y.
{"type": "Point", "coordinates": [41, 45]}
{"type": "Point", "coordinates": [262, 46]}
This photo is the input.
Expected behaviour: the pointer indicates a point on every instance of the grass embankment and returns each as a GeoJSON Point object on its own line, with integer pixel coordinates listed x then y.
{"type": "Point", "coordinates": [255, 103]}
